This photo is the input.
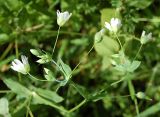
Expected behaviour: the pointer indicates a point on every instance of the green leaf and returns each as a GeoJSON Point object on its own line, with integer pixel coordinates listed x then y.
{"type": "Point", "coordinates": [13, 4]}
{"type": "Point", "coordinates": [36, 52]}
{"type": "Point", "coordinates": [4, 107]}
{"type": "Point", "coordinates": [131, 89]}
{"type": "Point", "coordinates": [116, 3]}
{"type": "Point", "coordinates": [90, 96]}
{"type": "Point", "coordinates": [17, 88]}
{"type": "Point", "coordinates": [45, 58]}
{"type": "Point", "coordinates": [80, 89]}
{"type": "Point", "coordinates": [36, 99]}
{"type": "Point", "coordinates": [107, 14]}
{"type": "Point", "coordinates": [97, 95]}
{"type": "Point", "coordinates": [49, 75]}
{"type": "Point", "coordinates": [48, 94]}
{"type": "Point", "coordinates": [134, 65]}
{"type": "Point", "coordinates": [150, 110]}
{"type": "Point", "coordinates": [106, 48]}
{"type": "Point", "coordinates": [4, 38]}
{"type": "Point", "coordinates": [141, 4]}
{"type": "Point", "coordinates": [65, 69]}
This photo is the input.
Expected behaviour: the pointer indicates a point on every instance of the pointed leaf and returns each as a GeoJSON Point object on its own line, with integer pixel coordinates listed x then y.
{"type": "Point", "coordinates": [66, 70]}
{"type": "Point", "coordinates": [36, 52]}
{"type": "Point", "coordinates": [134, 65]}
{"type": "Point", "coordinates": [17, 88]}
{"type": "Point", "coordinates": [80, 89]}
{"type": "Point", "coordinates": [48, 94]}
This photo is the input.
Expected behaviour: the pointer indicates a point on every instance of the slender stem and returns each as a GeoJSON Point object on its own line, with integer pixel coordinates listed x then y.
{"type": "Point", "coordinates": [56, 64]}
{"type": "Point", "coordinates": [129, 36]}
{"type": "Point", "coordinates": [36, 78]}
{"type": "Point", "coordinates": [56, 40]}
{"type": "Point", "coordinates": [19, 107]}
{"type": "Point", "coordinates": [33, 28]}
{"type": "Point", "coordinates": [117, 81]}
{"type": "Point", "coordinates": [5, 91]}
{"type": "Point", "coordinates": [78, 106]}
{"type": "Point", "coordinates": [136, 105]}
{"type": "Point", "coordinates": [119, 41]}
{"type": "Point", "coordinates": [132, 93]}
{"type": "Point", "coordinates": [27, 106]}
{"type": "Point", "coordinates": [138, 51]}
{"type": "Point", "coordinates": [30, 112]}
{"type": "Point", "coordinates": [16, 48]}
{"type": "Point", "coordinates": [88, 65]}
{"type": "Point", "coordinates": [123, 96]}
{"type": "Point", "coordinates": [17, 54]}
{"type": "Point", "coordinates": [154, 72]}
{"type": "Point", "coordinates": [6, 51]}
{"type": "Point", "coordinates": [81, 61]}
{"type": "Point", "coordinates": [58, 88]}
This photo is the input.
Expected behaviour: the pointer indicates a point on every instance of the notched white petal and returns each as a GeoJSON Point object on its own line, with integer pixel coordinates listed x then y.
{"type": "Point", "coordinates": [114, 25]}
{"type": "Point", "coordinates": [22, 67]}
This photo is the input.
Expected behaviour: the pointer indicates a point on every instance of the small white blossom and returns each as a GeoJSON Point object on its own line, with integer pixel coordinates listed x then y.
{"type": "Point", "coordinates": [145, 38]}
{"type": "Point", "coordinates": [22, 67]}
{"type": "Point", "coordinates": [114, 25]}
{"type": "Point", "coordinates": [62, 17]}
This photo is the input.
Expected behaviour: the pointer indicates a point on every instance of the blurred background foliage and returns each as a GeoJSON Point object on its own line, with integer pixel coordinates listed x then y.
{"type": "Point", "coordinates": [27, 24]}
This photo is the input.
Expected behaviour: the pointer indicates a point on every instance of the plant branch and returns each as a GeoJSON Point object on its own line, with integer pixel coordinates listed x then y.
{"type": "Point", "coordinates": [78, 106]}
{"type": "Point", "coordinates": [138, 51]}
{"type": "Point", "coordinates": [36, 78]}
{"type": "Point", "coordinates": [56, 40]}
{"type": "Point", "coordinates": [119, 41]}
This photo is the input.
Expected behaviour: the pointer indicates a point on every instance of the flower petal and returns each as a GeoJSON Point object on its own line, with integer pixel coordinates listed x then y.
{"type": "Point", "coordinates": [108, 26]}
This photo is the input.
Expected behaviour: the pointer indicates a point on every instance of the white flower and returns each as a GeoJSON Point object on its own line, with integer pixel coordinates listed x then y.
{"type": "Point", "coordinates": [22, 67]}
{"type": "Point", "coordinates": [145, 38]}
{"type": "Point", "coordinates": [114, 25]}
{"type": "Point", "coordinates": [62, 17]}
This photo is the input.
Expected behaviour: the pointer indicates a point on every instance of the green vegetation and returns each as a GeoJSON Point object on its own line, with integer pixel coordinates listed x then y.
{"type": "Point", "coordinates": [79, 58]}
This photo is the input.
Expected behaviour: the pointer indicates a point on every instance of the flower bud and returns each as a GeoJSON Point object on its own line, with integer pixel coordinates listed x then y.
{"type": "Point", "coordinates": [99, 35]}
{"type": "Point", "coordinates": [145, 38]}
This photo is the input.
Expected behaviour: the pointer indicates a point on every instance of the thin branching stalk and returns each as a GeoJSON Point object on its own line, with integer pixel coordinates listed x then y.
{"type": "Point", "coordinates": [17, 55]}
{"type": "Point", "coordinates": [56, 40]}
{"type": "Point", "coordinates": [19, 107]}
{"type": "Point", "coordinates": [81, 61]}
{"type": "Point", "coordinates": [119, 41]}
{"type": "Point", "coordinates": [136, 105]}
{"type": "Point", "coordinates": [140, 48]}
{"type": "Point", "coordinates": [78, 106]}
{"type": "Point", "coordinates": [36, 78]}
{"type": "Point", "coordinates": [6, 51]}
{"type": "Point", "coordinates": [5, 91]}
